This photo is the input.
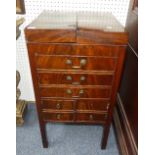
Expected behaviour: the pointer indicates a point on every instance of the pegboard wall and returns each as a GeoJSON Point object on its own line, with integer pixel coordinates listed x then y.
{"type": "Point", "coordinates": [118, 8]}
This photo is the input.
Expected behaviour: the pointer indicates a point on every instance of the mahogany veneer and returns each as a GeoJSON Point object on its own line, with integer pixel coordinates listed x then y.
{"type": "Point", "coordinates": [76, 61]}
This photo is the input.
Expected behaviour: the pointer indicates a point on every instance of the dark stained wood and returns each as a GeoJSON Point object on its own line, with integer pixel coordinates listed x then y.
{"type": "Point", "coordinates": [132, 26]}
{"type": "Point", "coordinates": [75, 71]}
{"type": "Point", "coordinates": [38, 101]}
{"type": "Point", "coordinates": [58, 117]}
{"type": "Point", "coordinates": [126, 124]}
{"type": "Point", "coordinates": [60, 62]}
{"type": "Point", "coordinates": [129, 91]}
{"type": "Point", "coordinates": [98, 36]}
{"type": "Point", "coordinates": [57, 104]}
{"type": "Point", "coordinates": [74, 78]}
{"type": "Point", "coordinates": [75, 92]}
{"type": "Point", "coordinates": [82, 105]}
{"type": "Point", "coordinates": [90, 117]}
{"type": "Point", "coordinates": [56, 36]}
{"type": "Point", "coordinates": [123, 130]}
{"type": "Point", "coordinates": [74, 49]}
{"type": "Point", "coordinates": [76, 66]}
{"type": "Point", "coordinates": [113, 95]}
{"type": "Point", "coordinates": [116, 82]}
{"type": "Point", "coordinates": [92, 105]}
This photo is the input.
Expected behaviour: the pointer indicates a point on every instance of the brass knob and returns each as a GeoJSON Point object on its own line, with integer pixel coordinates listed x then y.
{"type": "Point", "coordinates": [58, 105]}
{"type": "Point", "coordinates": [83, 62]}
{"type": "Point", "coordinates": [81, 92]}
{"type": "Point", "coordinates": [106, 116]}
{"type": "Point", "coordinates": [82, 78]}
{"type": "Point", "coordinates": [107, 106]}
{"type": "Point", "coordinates": [91, 117]}
{"type": "Point", "coordinates": [58, 116]}
{"type": "Point", "coordinates": [69, 91]}
{"type": "Point", "coordinates": [68, 62]}
{"type": "Point", "coordinates": [68, 78]}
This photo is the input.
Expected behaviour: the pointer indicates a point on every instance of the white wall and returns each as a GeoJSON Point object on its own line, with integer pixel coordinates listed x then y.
{"type": "Point", "coordinates": [119, 8]}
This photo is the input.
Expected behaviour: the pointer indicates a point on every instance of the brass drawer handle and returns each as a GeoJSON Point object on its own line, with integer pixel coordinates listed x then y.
{"type": "Point", "coordinates": [75, 83]}
{"type": "Point", "coordinates": [82, 78]}
{"type": "Point", "coordinates": [68, 78]}
{"type": "Point", "coordinates": [69, 91]}
{"type": "Point", "coordinates": [58, 116]}
{"type": "Point", "coordinates": [91, 117]}
{"type": "Point", "coordinates": [76, 67]}
{"type": "Point", "coordinates": [81, 92]}
{"type": "Point", "coordinates": [69, 62]}
{"type": "Point", "coordinates": [83, 62]}
{"type": "Point", "coordinates": [58, 105]}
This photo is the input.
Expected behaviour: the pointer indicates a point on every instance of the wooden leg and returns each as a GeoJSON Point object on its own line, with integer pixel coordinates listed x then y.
{"type": "Point", "coordinates": [105, 136]}
{"type": "Point", "coordinates": [43, 135]}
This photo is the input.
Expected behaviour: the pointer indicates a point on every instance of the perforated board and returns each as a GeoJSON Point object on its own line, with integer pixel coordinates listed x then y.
{"type": "Point", "coordinates": [118, 8]}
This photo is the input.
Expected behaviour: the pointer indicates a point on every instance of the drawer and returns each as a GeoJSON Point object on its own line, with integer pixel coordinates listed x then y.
{"type": "Point", "coordinates": [90, 117]}
{"type": "Point", "coordinates": [92, 105]}
{"type": "Point", "coordinates": [57, 104]}
{"type": "Point", "coordinates": [73, 49]}
{"type": "Point", "coordinates": [74, 78]}
{"type": "Point", "coordinates": [75, 92]}
{"type": "Point", "coordinates": [68, 62]}
{"type": "Point", "coordinates": [58, 117]}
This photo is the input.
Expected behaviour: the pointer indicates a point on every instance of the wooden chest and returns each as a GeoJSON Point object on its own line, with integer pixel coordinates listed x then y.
{"type": "Point", "coordinates": [76, 61]}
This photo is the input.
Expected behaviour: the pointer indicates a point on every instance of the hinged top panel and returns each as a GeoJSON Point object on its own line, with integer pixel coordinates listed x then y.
{"type": "Point", "coordinates": [52, 27]}
{"type": "Point", "coordinates": [76, 27]}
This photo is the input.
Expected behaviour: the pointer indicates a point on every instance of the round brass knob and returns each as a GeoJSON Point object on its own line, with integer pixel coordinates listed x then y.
{"type": "Point", "coordinates": [107, 106]}
{"type": "Point", "coordinates": [106, 116]}
{"type": "Point", "coordinates": [69, 91]}
{"type": "Point", "coordinates": [91, 117]}
{"type": "Point", "coordinates": [82, 78]}
{"type": "Point", "coordinates": [68, 62]}
{"type": "Point", "coordinates": [68, 78]}
{"type": "Point", "coordinates": [58, 116]}
{"type": "Point", "coordinates": [83, 62]}
{"type": "Point", "coordinates": [58, 105]}
{"type": "Point", "coordinates": [81, 92]}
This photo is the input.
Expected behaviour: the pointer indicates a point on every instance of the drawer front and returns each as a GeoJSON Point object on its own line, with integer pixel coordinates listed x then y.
{"type": "Point", "coordinates": [68, 62]}
{"type": "Point", "coordinates": [71, 92]}
{"type": "Point", "coordinates": [73, 49]}
{"type": "Point", "coordinates": [57, 104]}
{"type": "Point", "coordinates": [92, 105]}
{"type": "Point", "coordinates": [58, 117]}
{"type": "Point", "coordinates": [73, 78]}
{"type": "Point", "coordinates": [90, 117]}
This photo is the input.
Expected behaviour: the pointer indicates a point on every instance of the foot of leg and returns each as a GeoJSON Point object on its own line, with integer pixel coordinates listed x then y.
{"type": "Point", "coordinates": [43, 135]}
{"type": "Point", "coordinates": [105, 136]}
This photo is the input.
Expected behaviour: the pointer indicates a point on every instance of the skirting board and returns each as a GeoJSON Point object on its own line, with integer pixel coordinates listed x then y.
{"type": "Point", "coordinates": [123, 130]}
